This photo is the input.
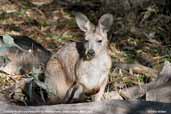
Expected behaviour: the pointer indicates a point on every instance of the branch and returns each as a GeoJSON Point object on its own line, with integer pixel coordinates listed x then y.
{"type": "Point", "coordinates": [138, 68]}
{"type": "Point", "coordinates": [105, 107]}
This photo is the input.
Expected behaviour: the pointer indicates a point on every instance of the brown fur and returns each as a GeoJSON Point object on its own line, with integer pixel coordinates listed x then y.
{"type": "Point", "coordinates": [74, 72]}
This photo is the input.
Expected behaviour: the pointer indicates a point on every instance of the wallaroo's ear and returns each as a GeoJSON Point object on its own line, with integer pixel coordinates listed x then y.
{"type": "Point", "coordinates": [83, 22]}
{"type": "Point", "coordinates": [105, 22]}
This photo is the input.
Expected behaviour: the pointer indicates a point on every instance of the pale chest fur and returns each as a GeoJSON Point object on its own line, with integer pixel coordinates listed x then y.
{"type": "Point", "coordinates": [91, 74]}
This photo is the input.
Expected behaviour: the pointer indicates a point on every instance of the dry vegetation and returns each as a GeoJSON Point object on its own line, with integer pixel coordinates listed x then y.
{"type": "Point", "coordinates": [139, 40]}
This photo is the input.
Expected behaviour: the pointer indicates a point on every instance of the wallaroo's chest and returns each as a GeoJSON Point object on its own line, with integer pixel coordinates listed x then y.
{"type": "Point", "coordinates": [93, 73]}
{"type": "Point", "coordinates": [98, 64]}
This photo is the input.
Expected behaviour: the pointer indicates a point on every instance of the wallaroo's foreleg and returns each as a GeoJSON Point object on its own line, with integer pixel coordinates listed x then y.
{"type": "Point", "coordinates": [98, 96]}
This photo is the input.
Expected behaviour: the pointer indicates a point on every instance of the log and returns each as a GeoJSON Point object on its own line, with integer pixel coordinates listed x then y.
{"type": "Point", "coordinates": [157, 90]}
{"type": "Point", "coordinates": [105, 107]}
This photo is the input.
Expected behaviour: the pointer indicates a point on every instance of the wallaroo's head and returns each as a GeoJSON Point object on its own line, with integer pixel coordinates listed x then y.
{"type": "Point", "coordinates": [95, 36]}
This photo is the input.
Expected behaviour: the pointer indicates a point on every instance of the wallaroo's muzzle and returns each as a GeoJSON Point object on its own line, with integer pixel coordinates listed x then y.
{"type": "Point", "coordinates": [89, 54]}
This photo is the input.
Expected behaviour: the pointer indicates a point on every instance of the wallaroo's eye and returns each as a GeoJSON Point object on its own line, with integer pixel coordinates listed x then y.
{"type": "Point", "coordinates": [99, 41]}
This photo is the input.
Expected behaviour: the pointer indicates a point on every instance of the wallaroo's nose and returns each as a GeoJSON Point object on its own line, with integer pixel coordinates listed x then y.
{"type": "Point", "coordinates": [91, 52]}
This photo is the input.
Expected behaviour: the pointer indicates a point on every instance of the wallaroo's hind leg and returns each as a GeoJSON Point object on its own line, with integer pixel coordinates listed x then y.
{"type": "Point", "coordinates": [75, 94]}
{"type": "Point", "coordinates": [98, 96]}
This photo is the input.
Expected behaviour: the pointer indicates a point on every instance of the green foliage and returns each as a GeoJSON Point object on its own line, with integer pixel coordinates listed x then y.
{"type": "Point", "coordinates": [130, 56]}
{"type": "Point", "coordinates": [143, 79]}
{"type": "Point", "coordinates": [34, 75]}
{"type": "Point", "coordinates": [8, 40]}
{"type": "Point", "coordinates": [168, 58]}
{"type": "Point", "coordinates": [4, 59]}
{"type": "Point", "coordinates": [30, 90]}
{"type": "Point", "coordinates": [129, 82]}
{"type": "Point", "coordinates": [3, 48]}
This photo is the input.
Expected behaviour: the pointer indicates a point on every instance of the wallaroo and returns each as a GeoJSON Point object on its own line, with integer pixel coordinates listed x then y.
{"type": "Point", "coordinates": [80, 69]}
